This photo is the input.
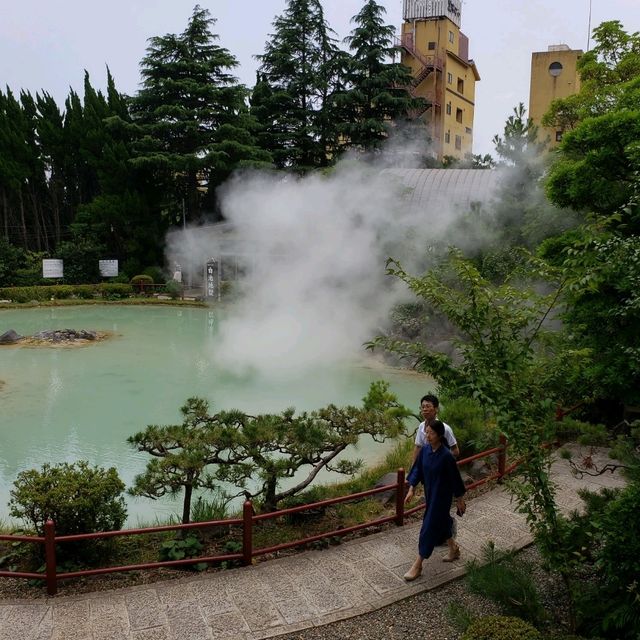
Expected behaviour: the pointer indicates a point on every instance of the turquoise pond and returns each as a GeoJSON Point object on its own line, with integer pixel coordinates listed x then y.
{"type": "Point", "coordinates": [66, 404]}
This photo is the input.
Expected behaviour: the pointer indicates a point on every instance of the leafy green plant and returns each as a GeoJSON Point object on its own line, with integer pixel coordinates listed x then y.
{"type": "Point", "coordinates": [506, 579]}
{"type": "Point", "coordinates": [231, 546]}
{"type": "Point", "coordinates": [501, 628]}
{"type": "Point", "coordinates": [182, 548]}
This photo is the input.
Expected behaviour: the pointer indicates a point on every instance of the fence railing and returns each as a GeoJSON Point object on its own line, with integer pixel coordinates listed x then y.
{"type": "Point", "coordinates": [247, 522]}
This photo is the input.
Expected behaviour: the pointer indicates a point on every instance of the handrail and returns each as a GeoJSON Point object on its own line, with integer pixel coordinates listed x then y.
{"type": "Point", "coordinates": [247, 522]}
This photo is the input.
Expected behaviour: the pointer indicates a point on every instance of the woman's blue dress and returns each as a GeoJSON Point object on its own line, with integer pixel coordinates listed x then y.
{"type": "Point", "coordinates": [438, 472]}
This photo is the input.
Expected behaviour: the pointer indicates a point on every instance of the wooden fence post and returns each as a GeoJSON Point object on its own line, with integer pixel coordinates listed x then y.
{"type": "Point", "coordinates": [247, 533]}
{"type": "Point", "coordinates": [50, 557]}
{"type": "Point", "coordinates": [400, 498]}
{"type": "Point", "coordinates": [502, 457]}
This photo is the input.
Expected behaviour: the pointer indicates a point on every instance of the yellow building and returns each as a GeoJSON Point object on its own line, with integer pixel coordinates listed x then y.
{"type": "Point", "coordinates": [553, 75]}
{"type": "Point", "coordinates": [437, 52]}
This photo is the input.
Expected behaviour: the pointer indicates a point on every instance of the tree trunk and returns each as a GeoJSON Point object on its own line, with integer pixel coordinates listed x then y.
{"type": "Point", "coordinates": [186, 505]}
{"type": "Point", "coordinates": [23, 222]}
{"type": "Point", "coordinates": [5, 209]}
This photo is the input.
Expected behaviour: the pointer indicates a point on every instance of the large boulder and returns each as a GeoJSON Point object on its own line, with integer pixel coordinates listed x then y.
{"type": "Point", "coordinates": [10, 337]}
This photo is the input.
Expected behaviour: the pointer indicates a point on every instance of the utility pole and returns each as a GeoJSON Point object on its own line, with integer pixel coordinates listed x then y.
{"type": "Point", "coordinates": [589, 28]}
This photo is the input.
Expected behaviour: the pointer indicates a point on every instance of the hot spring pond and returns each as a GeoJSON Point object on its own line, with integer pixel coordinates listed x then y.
{"type": "Point", "coordinates": [65, 404]}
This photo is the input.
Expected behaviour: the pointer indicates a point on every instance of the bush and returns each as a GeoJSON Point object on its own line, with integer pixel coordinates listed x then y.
{"type": "Point", "coordinates": [115, 290]}
{"type": "Point", "coordinates": [139, 282]}
{"type": "Point", "coordinates": [501, 628]}
{"type": "Point", "coordinates": [77, 497]}
{"type": "Point", "coordinates": [61, 291]}
{"type": "Point", "coordinates": [173, 288]}
{"type": "Point", "coordinates": [619, 560]}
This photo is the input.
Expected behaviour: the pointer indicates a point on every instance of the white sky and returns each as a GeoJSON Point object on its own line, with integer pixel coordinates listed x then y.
{"type": "Point", "coordinates": [48, 44]}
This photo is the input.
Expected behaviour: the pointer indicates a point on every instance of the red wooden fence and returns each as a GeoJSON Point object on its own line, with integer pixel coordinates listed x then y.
{"type": "Point", "coordinates": [248, 520]}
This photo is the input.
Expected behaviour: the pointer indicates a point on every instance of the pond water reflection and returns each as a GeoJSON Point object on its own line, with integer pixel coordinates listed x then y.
{"type": "Point", "coordinates": [66, 404]}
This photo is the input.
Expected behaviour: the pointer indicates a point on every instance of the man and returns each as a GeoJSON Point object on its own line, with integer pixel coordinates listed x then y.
{"type": "Point", "coordinates": [429, 410]}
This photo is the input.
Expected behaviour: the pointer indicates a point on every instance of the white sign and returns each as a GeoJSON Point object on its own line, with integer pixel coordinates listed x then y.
{"type": "Point", "coordinates": [108, 268]}
{"type": "Point", "coordinates": [423, 9]}
{"type": "Point", "coordinates": [52, 268]}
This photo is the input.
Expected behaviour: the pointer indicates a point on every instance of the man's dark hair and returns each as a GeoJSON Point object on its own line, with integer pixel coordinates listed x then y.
{"type": "Point", "coordinates": [430, 398]}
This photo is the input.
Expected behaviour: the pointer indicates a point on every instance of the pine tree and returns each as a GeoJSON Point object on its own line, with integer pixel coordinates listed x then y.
{"type": "Point", "coordinates": [193, 119]}
{"type": "Point", "coordinates": [378, 93]}
{"type": "Point", "coordinates": [299, 73]}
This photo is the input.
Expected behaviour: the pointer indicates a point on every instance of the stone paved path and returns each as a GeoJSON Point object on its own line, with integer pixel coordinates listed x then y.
{"type": "Point", "coordinates": [283, 595]}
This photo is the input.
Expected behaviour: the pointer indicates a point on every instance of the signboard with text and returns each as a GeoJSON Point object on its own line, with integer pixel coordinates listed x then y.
{"type": "Point", "coordinates": [425, 9]}
{"type": "Point", "coordinates": [52, 268]}
{"type": "Point", "coordinates": [108, 268]}
{"type": "Point", "coordinates": [212, 280]}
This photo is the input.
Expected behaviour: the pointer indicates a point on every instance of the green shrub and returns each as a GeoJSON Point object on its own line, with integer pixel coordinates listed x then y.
{"type": "Point", "coordinates": [23, 294]}
{"type": "Point", "coordinates": [61, 291]}
{"type": "Point", "coordinates": [85, 291]}
{"type": "Point", "coordinates": [139, 282]}
{"type": "Point", "coordinates": [506, 579]}
{"type": "Point", "coordinates": [500, 628]}
{"type": "Point", "coordinates": [619, 560]}
{"type": "Point", "coordinates": [173, 288]}
{"type": "Point", "coordinates": [115, 290]}
{"type": "Point", "coordinates": [77, 497]}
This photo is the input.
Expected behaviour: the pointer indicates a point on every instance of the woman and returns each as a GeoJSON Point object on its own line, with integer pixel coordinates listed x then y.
{"type": "Point", "coordinates": [436, 468]}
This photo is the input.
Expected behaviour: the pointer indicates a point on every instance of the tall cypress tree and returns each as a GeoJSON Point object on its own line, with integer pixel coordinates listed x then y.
{"type": "Point", "coordinates": [193, 119]}
{"type": "Point", "coordinates": [377, 95]}
{"type": "Point", "coordinates": [300, 68]}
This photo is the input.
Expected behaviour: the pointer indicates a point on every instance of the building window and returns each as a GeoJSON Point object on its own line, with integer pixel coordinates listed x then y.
{"type": "Point", "coordinates": [458, 142]}
{"type": "Point", "coordinates": [558, 136]}
{"type": "Point", "coordinates": [555, 69]}
{"type": "Point", "coordinates": [447, 137]}
{"type": "Point", "coordinates": [448, 108]}
{"type": "Point", "coordinates": [451, 37]}
{"type": "Point", "coordinates": [460, 85]}
{"type": "Point", "coordinates": [469, 130]}
{"type": "Point", "coordinates": [458, 115]}
{"type": "Point", "coordinates": [449, 78]}
{"type": "Point", "coordinates": [431, 46]}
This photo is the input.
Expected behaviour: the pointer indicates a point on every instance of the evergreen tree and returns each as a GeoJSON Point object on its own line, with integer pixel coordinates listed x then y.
{"type": "Point", "coordinates": [300, 73]}
{"type": "Point", "coordinates": [378, 92]}
{"type": "Point", "coordinates": [193, 119]}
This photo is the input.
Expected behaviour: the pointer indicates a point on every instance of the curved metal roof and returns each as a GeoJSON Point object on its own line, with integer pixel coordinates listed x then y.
{"type": "Point", "coordinates": [431, 189]}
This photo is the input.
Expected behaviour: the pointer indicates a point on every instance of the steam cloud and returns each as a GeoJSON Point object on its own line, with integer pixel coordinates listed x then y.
{"type": "Point", "coordinates": [316, 249]}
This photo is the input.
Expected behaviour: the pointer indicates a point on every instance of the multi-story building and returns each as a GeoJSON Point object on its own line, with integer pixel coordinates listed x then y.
{"type": "Point", "coordinates": [437, 52]}
{"type": "Point", "coordinates": [554, 75]}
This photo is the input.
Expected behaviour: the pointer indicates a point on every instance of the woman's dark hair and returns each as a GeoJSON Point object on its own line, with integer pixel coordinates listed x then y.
{"type": "Point", "coordinates": [438, 427]}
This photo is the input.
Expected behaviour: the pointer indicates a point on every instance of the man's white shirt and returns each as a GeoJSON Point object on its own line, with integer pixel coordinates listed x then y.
{"type": "Point", "coordinates": [421, 436]}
